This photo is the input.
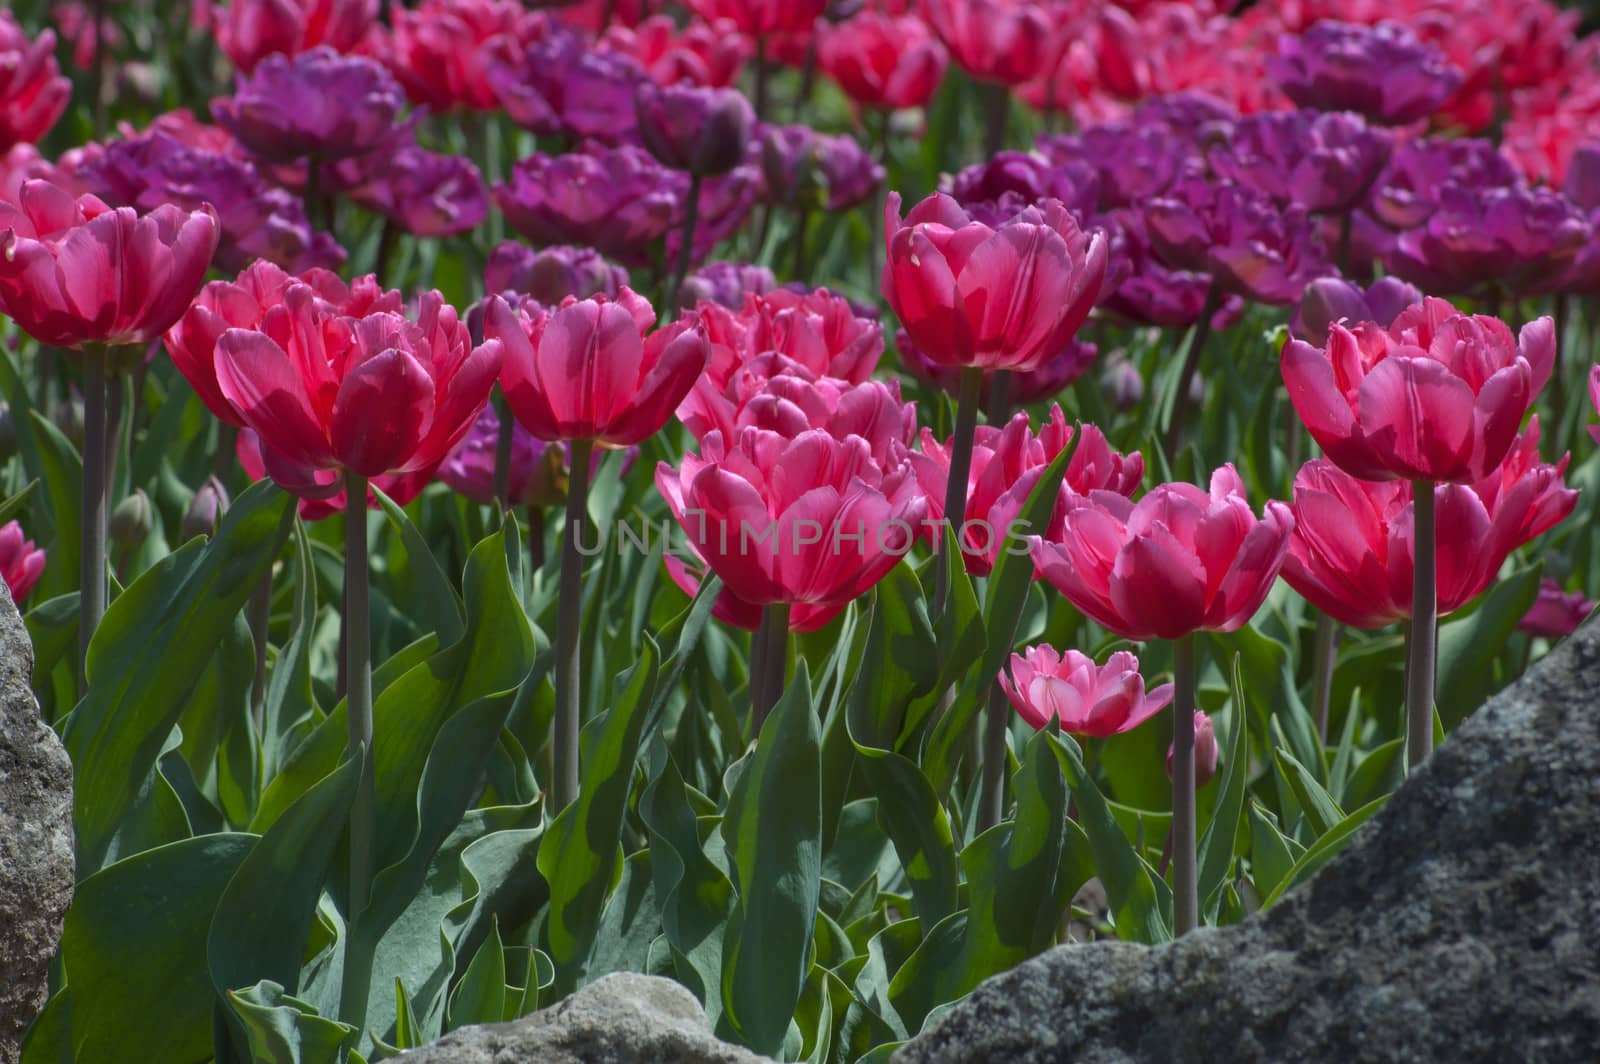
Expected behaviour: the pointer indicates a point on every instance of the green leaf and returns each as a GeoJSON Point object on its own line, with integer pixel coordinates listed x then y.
{"type": "Point", "coordinates": [1215, 852]}
{"type": "Point", "coordinates": [1318, 805]}
{"type": "Point", "coordinates": [579, 855]}
{"type": "Point", "coordinates": [1325, 849]}
{"type": "Point", "coordinates": [773, 831]}
{"type": "Point", "coordinates": [480, 997]}
{"type": "Point", "coordinates": [61, 469]}
{"type": "Point", "coordinates": [1271, 693]}
{"type": "Point", "coordinates": [134, 945]}
{"type": "Point", "coordinates": [288, 698]}
{"type": "Point", "coordinates": [1272, 853]}
{"type": "Point", "coordinates": [1469, 645]}
{"type": "Point", "coordinates": [155, 638]}
{"type": "Point", "coordinates": [630, 922]}
{"type": "Point", "coordinates": [1137, 906]}
{"type": "Point", "coordinates": [281, 1029]}
{"type": "Point", "coordinates": [436, 598]}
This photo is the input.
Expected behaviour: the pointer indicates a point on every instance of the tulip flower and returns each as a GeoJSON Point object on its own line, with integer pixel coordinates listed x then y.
{"type": "Point", "coordinates": [1179, 561]}
{"type": "Point", "coordinates": [318, 105]}
{"type": "Point", "coordinates": [1515, 240]}
{"type": "Point", "coordinates": [807, 170]}
{"type": "Point", "coordinates": [881, 61]}
{"type": "Point", "coordinates": [23, 163]}
{"type": "Point", "coordinates": [617, 200]}
{"type": "Point", "coordinates": [1097, 701]}
{"type": "Point", "coordinates": [999, 41]}
{"type": "Point", "coordinates": [76, 273]}
{"type": "Point", "coordinates": [205, 510]}
{"type": "Point", "coordinates": [761, 19]}
{"type": "Point", "coordinates": [1406, 192]}
{"type": "Point", "coordinates": [248, 31]}
{"type": "Point", "coordinates": [538, 469]}
{"type": "Point", "coordinates": [21, 563]}
{"type": "Point", "coordinates": [994, 191]}
{"type": "Point", "coordinates": [726, 284]}
{"type": "Point", "coordinates": [1352, 553]}
{"type": "Point", "coordinates": [1006, 464]}
{"type": "Point", "coordinates": [33, 94]}
{"type": "Point", "coordinates": [1330, 300]}
{"type": "Point", "coordinates": [1555, 614]}
{"type": "Point", "coordinates": [1383, 72]}
{"type": "Point", "coordinates": [562, 86]}
{"type": "Point", "coordinates": [1594, 398]}
{"type": "Point", "coordinates": [421, 192]}
{"type": "Point", "coordinates": [443, 50]}
{"type": "Point", "coordinates": [689, 572]}
{"type": "Point", "coordinates": [1144, 289]}
{"type": "Point", "coordinates": [590, 371]}
{"type": "Point", "coordinates": [330, 499]}
{"type": "Point", "coordinates": [1021, 389]}
{"type": "Point", "coordinates": [1438, 396]}
{"type": "Point", "coordinates": [709, 54]}
{"type": "Point", "coordinates": [1205, 750]}
{"type": "Point", "coordinates": [551, 274]}
{"type": "Point", "coordinates": [1322, 162]}
{"type": "Point", "coordinates": [1134, 161]}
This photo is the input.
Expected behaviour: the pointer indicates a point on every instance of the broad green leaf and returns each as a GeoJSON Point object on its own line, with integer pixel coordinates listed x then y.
{"type": "Point", "coordinates": [1271, 693]}
{"type": "Point", "coordinates": [1272, 853]}
{"type": "Point", "coordinates": [1317, 804]}
{"type": "Point", "coordinates": [1325, 849]}
{"type": "Point", "coordinates": [579, 854]}
{"type": "Point", "coordinates": [630, 922]}
{"type": "Point", "coordinates": [288, 698]}
{"type": "Point", "coordinates": [1215, 852]}
{"type": "Point", "coordinates": [1469, 645]}
{"type": "Point", "coordinates": [155, 638]}
{"type": "Point", "coordinates": [773, 831]}
{"type": "Point", "coordinates": [436, 597]}
{"type": "Point", "coordinates": [134, 945]}
{"type": "Point", "coordinates": [480, 997]}
{"type": "Point", "coordinates": [281, 1029]}
{"type": "Point", "coordinates": [61, 469]}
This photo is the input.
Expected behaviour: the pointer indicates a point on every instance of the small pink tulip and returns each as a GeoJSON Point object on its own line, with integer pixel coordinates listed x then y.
{"type": "Point", "coordinates": [1205, 750]}
{"type": "Point", "coordinates": [20, 561]}
{"type": "Point", "coordinates": [1088, 699]}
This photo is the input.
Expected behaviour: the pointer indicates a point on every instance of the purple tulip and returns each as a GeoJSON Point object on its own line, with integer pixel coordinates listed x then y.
{"type": "Point", "coordinates": [725, 283]}
{"type": "Point", "coordinates": [562, 86]}
{"type": "Point", "coordinates": [993, 192]}
{"type": "Point", "coordinates": [1187, 115]}
{"type": "Point", "coordinates": [551, 274]}
{"type": "Point", "coordinates": [1407, 191]}
{"type": "Point", "coordinates": [1323, 162]}
{"type": "Point", "coordinates": [1134, 162]}
{"type": "Point", "coordinates": [1583, 177]}
{"type": "Point", "coordinates": [1522, 240]}
{"type": "Point", "coordinates": [617, 200]}
{"type": "Point", "coordinates": [258, 220]}
{"type": "Point", "coordinates": [1054, 376]}
{"type": "Point", "coordinates": [808, 170]}
{"type": "Point", "coordinates": [1240, 238]}
{"type": "Point", "coordinates": [538, 469]}
{"type": "Point", "coordinates": [1383, 72]}
{"type": "Point", "coordinates": [1333, 300]}
{"type": "Point", "coordinates": [423, 192]}
{"type": "Point", "coordinates": [1555, 613]}
{"type": "Point", "coordinates": [1143, 289]}
{"type": "Point", "coordinates": [319, 104]}
{"type": "Point", "coordinates": [702, 131]}
{"type": "Point", "coordinates": [725, 203]}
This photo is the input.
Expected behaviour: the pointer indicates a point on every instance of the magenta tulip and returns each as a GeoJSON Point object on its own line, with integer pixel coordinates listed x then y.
{"type": "Point", "coordinates": [1097, 701]}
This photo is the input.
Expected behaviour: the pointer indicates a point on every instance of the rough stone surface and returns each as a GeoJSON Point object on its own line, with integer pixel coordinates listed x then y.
{"type": "Point", "coordinates": [36, 869]}
{"type": "Point", "coordinates": [1461, 924]}
{"type": "Point", "coordinates": [623, 1018]}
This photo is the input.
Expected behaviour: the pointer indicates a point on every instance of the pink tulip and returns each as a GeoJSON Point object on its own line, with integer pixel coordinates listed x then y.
{"type": "Point", "coordinates": [1352, 550]}
{"type": "Point", "coordinates": [1205, 750]}
{"type": "Point", "coordinates": [1555, 613]}
{"type": "Point", "coordinates": [328, 496]}
{"type": "Point", "coordinates": [595, 369]}
{"type": "Point", "coordinates": [33, 94]}
{"type": "Point", "coordinates": [1006, 465]}
{"type": "Point", "coordinates": [1437, 396]}
{"type": "Point", "coordinates": [1001, 41]}
{"type": "Point", "coordinates": [1594, 397]}
{"type": "Point", "coordinates": [689, 572]}
{"type": "Point", "coordinates": [20, 561]}
{"type": "Point", "coordinates": [250, 30]}
{"type": "Point", "coordinates": [372, 394]}
{"type": "Point", "coordinates": [1006, 298]}
{"type": "Point", "coordinates": [1087, 699]}
{"type": "Point", "coordinates": [814, 518]}
{"type": "Point", "coordinates": [881, 61]}
{"type": "Point", "coordinates": [242, 304]}
{"type": "Point", "coordinates": [1178, 561]}
{"type": "Point", "coordinates": [76, 272]}
{"type": "Point", "coordinates": [758, 18]}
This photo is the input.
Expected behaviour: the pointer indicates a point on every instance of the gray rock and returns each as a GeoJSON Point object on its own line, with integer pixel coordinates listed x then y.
{"type": "Point", "coordinates": [622, 1018]}
{"type": "Point", "coordinates": [36, 870]}
{"type": "Point", "coordinates": [1461, 924]}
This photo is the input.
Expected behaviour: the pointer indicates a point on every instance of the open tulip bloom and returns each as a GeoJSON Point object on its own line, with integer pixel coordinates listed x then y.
{"type": "Point", "coordinates": [1437, 396]}
{"type": "Point", "coordinates": [1180, 560]}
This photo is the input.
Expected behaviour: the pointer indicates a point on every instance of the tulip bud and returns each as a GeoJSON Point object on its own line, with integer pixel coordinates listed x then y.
{"type": "Point", "coordinates": [131, 521]}
{"type": "Point", "coordinates": [702, 131]}
{"type": "Point", "coordinates": [1121, 383]}
{"type": "Point", "coordinates": [205, 510]}
{"type": "Point", "coordinates": [1205, 750]}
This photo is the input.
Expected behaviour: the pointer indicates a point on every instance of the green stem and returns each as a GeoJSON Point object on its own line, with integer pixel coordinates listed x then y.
{"type": "Point", "coordinates": [569, 607]}
{"type": "Point", "coordinates": [535, 537]}
{"type": "Point", "coordinates": [1327, 657]}
{"type": "Point", "coordinates": [1185, 881]}
{"type": "Point", "coordinates": [92, 531]}
{"type": "Point", "coordinates": [955, 492]}
{"type": "Point", "coordinates": [691, 217]}
{"type": "Point", "coordinates": [761, 79]}
{"type": "Point", "coordinates": [758, 670]}
{"type": "Point", "coordinates": [1558, 384]}
{"type": "Point", "coordinates": [259, 615]}
{"type": "Point", "coordinates": [388, 237]}
{"type": "Point", "coordinates": [1346, 224]}
{"type": "Point", "coordinates": [999, 407]}
{"type": "Point", "coordinates": [97, 75]}
{"type": "Point", "coordinates": [775, 663]}
{"type": "Point", "coordinates": [991, 807]}
{"type": "Point", "coordinates": [998, 106]}
{"type": "Point", "coordinates": [1191, 364]}
{"type": "Point", "coordinates": [357, 622]}
{"type": "Point", "coordinates": [502, 452]}
{"type": "Point", "coordinates": [1423, 636]}
{"type": "Point", "coordinates": [801, 225]}
{"type": "Point", "coordinates": [312, 202]}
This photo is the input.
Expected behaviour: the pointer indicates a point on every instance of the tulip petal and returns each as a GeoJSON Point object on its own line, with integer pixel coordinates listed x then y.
{"type": "Point", "coordinates": [383, 409]}
{"type": "Point", "coordinates": [1419, 416]}
{"type": "Point", "coordinates": [256, 377]}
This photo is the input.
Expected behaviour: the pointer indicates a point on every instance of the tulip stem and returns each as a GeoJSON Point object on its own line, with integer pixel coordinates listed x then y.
{"type": "Point", "coordinates": [97, 75]}
{"type": "Point", "coordinates": [991, 807]}
{"type": "Point", "coordinates": [1558, 390]}
{"type": "Point", "coordinates": [357, 622]}
{"type": "Point", "coordinates": [955, 492]}
{"type": "Point", "coordinates": [1327, 657]}
{"type": "Point", "coordinates": [802, 222]}
{"type": "Point", "coordinates": [569, 618]}
{"type": "Point", "coordinates": [761, 78]}
{"type": "Point", "coordinates": [1191, 364]}
{"type": "Point", "coordinates": [1185, 882]}
{"type": "Point", "coordinates": [502, 453]}
{"type": "Point", "coordinates": [774, 633]}
{"type": "Point", "coordinates": [691, 215]}
{"type": "Point", "coordinates": [999, 407]}
{"type": "Point", "coordinates": [998, 105]}
{"type": "Point", "coordinates": [313, 172]}
{"type": "Point", "coordinates": [1346, 224]}
{"type": "Point", "coordinates": [1423, 636]}
{"type": "Point", "coordinates": [388, 237]}
{"type": "Point", "coordinates": [758, 669]}
{"type": "Point", "coordinates": [259, 617]}
{"type": "Point", "coordinates": [92, 532]}
{"type": "Point", "coordinates": [535, 536]}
